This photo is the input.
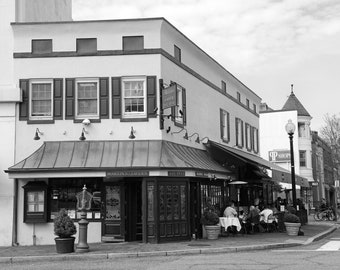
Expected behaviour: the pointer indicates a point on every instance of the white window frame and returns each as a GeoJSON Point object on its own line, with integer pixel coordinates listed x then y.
{"type": "Point", "coordinates": [83, 116]}
{"type": "Point", "coordinates": [143, 114]}
{"type": "Point", "coordinates": [179, 118]}
{"type": "Point", "coordinates": [40, 117]}
{"type": "Point", "coordinates": [225, 121]}
{"type": "Point", "coordinates": [239, 132]}
{"type": "Point", "coordinates": [248, 137]}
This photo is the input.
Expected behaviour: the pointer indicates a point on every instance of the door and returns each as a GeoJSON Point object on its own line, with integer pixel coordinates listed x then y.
{"type": "Point", "coordinates": [113, 227]}
{"type": "Point", "coordinates": [133, 211]}
{"type": "Point", "coordinates": [195, 225]}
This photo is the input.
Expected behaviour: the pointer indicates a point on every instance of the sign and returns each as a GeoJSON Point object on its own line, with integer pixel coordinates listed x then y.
{"type": "Point", "coordinates": [202, 174]}
{"type": "Point", "coordinates": [176, 173]}
{"type": "Point", "coordinates": [126, 173]}
{"type": "Point", "coordinates": [279, 156]}
{"type": "Point", "coordinates": [169, 96]}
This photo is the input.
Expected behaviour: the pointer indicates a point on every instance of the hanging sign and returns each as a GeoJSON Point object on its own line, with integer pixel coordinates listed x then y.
{"type": "Point", "coordinates": [169, 96]}
{"type": "Point", "coordinates": [279, 156]}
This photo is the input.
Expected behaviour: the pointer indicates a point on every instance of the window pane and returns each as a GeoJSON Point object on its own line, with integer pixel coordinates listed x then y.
{"type": "Point", "coordinates": [42, 46]}
{"type": "Point", "coordinates": [41, 99]}
{"type": "Point", "coordinates": [87, 98]}
{"type": "Point", "coordinates": [133, 43]}
{"type": "Point", "coordinates": [86, 45]}
{"type": "Point", "coordinates": [134, 97]}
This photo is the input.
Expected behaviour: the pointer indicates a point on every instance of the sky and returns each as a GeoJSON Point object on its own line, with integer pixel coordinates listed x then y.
{"type": "Point", "coordinates": [267, 44]}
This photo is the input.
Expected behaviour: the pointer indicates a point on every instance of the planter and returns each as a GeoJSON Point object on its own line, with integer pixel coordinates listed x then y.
{"type": "Point", "coordinates": [64, 245]}
{"type": "Point", "coordinates": [212, 231]}
{"type": "Point", "coordinates": [292, 228]}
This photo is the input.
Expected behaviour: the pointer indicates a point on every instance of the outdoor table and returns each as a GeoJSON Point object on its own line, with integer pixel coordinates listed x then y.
{"type": "Point", "coordinates": [230, 221]}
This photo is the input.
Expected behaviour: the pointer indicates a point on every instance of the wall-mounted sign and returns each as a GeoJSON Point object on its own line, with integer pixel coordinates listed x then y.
{"type": "Point", "coordinates": [169, 96]}
{"type": "Point", "coordinates": [202, 174]}
{"type": "Point", "coordinates": [126, 173]}
{"type": "Point", "coordinates": [279, 156]}
{"type": "Point", "coordinates": [176, 173]}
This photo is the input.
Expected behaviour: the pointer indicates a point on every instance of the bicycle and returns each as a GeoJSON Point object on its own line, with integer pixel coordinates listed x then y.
{"type": "Point", "coordinates": [327, 214]}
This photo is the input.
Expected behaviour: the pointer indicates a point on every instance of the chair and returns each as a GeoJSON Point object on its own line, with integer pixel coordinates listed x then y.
{"type": "Point", "coordinates": [271, 223]}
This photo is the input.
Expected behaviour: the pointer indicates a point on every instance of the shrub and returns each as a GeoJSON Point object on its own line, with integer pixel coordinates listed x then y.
{"type": "Point", "coordinates": [63, 225]}
{"type": "Point", "coordinates": [210, 216]}
{"type": "Point", "coordinates": [291, 218]}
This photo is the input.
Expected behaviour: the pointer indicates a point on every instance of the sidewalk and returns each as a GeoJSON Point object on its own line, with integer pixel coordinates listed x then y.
{"type": "Point", "coordinates": [313, 231]}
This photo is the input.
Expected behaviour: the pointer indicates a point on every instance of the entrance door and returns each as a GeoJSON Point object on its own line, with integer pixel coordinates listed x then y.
{"type": "Point", "coordinates": [113, 227]}
{"type": "Point", "coordinates": [133, 210]}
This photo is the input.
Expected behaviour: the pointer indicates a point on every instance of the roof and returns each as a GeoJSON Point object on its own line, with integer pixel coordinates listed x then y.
{"type": "Point", "coordinates": [293, 104]}
{"type": "Point", "coordinates": [108, 155]}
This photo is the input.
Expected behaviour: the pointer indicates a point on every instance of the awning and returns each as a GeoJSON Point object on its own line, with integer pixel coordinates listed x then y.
{"type": "Point", "coordinates": [279, 174]}
{"type": "Point", "coordinates": [105, 156]}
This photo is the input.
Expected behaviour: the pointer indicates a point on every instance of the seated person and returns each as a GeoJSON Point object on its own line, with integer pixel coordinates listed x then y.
{"type": "Point", "coordinates": [264, 217]}
{"type": "Point", "coordinates": [253, 219]}
{"type": "Point", "coordinates": [230, 210]}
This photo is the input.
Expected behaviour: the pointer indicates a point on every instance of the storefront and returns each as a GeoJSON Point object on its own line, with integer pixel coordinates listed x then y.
{"type": "Point", "coordinates": [150, 191]}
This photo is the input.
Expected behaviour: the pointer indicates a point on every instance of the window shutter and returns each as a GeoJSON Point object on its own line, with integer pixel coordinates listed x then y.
{"type": "Point", "coordinates": [58, 99]}
{"type": "Point", "coordinates": [151, 96]}
{"type": "Point", "coordinates": [221, 124]}
{"type": "Point", "coordinates": [70, 98]}
{"type": "Point", "coordinates": [184, 107]}
{"type": "Point", "coordinates": [104, 97]}
{"type": "Point", "coordinates": [23, 108]}
{"type": "Point", "coordinates": [116, 97]}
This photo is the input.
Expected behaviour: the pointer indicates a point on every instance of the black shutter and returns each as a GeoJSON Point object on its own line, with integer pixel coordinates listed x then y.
{"type": "Point", "coordinates": [104, 97]}
{"type": "Point", "coordinates": [116, 97]}
{"type": "Point", "coordinates": [184, 107]}
{"type": "Point", "coordinates": [58, 99]}
{"type": "Point", "coordinates": [70, 98]}
{"type": "Point", "coordinates": [23, 107]}
{"type": "Point", "coordinates": [151, 96]}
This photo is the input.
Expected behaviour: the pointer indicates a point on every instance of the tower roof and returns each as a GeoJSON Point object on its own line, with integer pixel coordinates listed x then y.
{"type": "Point", "coordinates": [293, 103]}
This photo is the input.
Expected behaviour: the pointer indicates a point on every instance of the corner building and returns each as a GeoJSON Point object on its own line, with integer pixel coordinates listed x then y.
{"type": "Point", "coordinates": [138, 113]}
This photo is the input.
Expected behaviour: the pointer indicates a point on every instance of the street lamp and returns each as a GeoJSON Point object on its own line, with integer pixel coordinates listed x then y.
{"type": "Point", "coordinates": [290, 128]}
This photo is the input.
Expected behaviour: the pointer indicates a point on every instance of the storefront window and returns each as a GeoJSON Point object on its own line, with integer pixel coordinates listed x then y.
{"type": "Point", "coordinates": [35, 201]}
{"type": "Point", "coordinates": [214, 193]}
{"type": "Point", "coordinates": [63, 195]}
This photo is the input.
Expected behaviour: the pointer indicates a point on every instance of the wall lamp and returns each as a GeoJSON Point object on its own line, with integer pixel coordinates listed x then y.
{"type": "Point", "coordinates": [204, 139]}
{"type": "Point", "coordinates": [132, 133]}
{"type": "Point", "coordinates": [185, 135]}
{"type": "Point", "coordinates": [198, 137]}
{"type": "Point", "coordinates": [36, 136]}
{"type": "Point", "coordinates": [82, 136]}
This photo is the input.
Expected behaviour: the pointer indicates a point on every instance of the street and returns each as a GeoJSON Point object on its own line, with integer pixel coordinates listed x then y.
{"type": "Point", "coordinates": [323, 254]}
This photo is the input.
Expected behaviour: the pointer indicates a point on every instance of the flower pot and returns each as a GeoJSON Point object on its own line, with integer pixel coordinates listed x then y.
{"type": "Point", "coordinates": [64, 245]}
{"type": "Point", "coordinates": [292, 228]}
{"type": "Point", "coordinates": [212, 231]}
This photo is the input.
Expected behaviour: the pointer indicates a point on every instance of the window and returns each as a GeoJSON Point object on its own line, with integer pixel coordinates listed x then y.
{"type": "Point", "coordinates": [87, 98]}
{"type": "Point", "coordinates": [247, 103]}
{"type": "Point", "coordinates": [302, 130]}
{"type": "Point", "coordinates": [179, 111]}
{"type": "Point", "coordinates": [86, 45]}
{"type": "Point", "coordinates": [302, 158]}
{"type": "Point", "coordinates": [254, 108]}
{"type": "Point", "coordinates": [177, 53]}
{"type": "Point", "coordinates": [133, 43]}
{"type": "Point", "coordinates": [134, 97]}
{"type": "Point", "coordinates": [225, 126]}
{"type": "Point", "coordinates": [35, 195]}
{"type": "Point", "coordinates": [238, 97]}
{"type": "Point", "coordinates": [40, 46]}
{"type": "Point", "coordinates": [248, 137]}
{"type": "Point", "coordinates": [224, 87]}
{"type": "Point", "coordinates": [239, 132]}
{"type": "Point", "coordinates": [41, 105]}
{"type": "Point", "coordinates": [255, 139]}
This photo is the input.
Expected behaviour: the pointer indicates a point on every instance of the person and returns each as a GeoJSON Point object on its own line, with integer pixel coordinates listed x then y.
{"type": "Point", "coordinates": [265, 213]}
{"type": "Point", "coordinates": [230, 210]}
{"type": "Point", "coordinates": [267, 218]}
{"type": "Point", "coordinates": [253, 219]}
{"type": "Point", "coordinates": [323, 205]}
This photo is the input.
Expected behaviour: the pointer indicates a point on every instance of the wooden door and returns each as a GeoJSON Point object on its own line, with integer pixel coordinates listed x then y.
{"type": "Point", "coordinates": [133, 210]}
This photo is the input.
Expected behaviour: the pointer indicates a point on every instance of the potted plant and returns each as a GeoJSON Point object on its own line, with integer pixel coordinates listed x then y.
{"type": "Point", "coordinates": [210, 220]}
{"type": "Point", "coordinates": [292, 223]}
{"type": "Point", "coordinates": [64, 228]}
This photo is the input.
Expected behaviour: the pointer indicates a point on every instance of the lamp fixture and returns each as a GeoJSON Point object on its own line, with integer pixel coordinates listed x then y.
{"type": "Point", "coordinates": [82, 136]}
{"type": "Point", "coordinates": [132, 133]}
{"type": "Point", "coordinates": [168, 129]}
{"type": "Point", "coordinates": [36, 136]}
{"type": "Point", "coordinates": [185, 135]}
{"type": "Point", "coordinates": [201, 140]}
{"type": "Point", "coordinates": [198, 137]}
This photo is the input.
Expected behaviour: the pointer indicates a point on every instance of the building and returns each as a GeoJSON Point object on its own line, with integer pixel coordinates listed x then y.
{"type": "Point", "coordinates": [134, 110]}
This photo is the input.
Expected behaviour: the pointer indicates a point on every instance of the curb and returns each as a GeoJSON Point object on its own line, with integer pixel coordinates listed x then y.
{"type": "Point", "coordinates": [321, 235]}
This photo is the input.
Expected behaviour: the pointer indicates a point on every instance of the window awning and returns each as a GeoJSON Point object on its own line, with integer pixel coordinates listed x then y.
{"type": "Point", "coordinates": [87, 156]}
{"type": "Point", "coordinates": [279, 174]}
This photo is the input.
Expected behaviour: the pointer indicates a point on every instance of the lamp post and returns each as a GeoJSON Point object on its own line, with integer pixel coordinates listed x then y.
{"type": "Point", "coordinates": [290, 128]}
{"type": "Point", "coordinates": [84, 199]}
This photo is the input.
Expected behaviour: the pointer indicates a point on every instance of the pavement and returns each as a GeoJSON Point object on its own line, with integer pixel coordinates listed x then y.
{"type": "Point", "coordinates": [313, 231]}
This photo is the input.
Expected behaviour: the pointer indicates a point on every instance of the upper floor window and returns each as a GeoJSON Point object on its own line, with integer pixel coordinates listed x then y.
{"type": "Point", "coordinates": [224, 86]}
{"type": "Point", "coordinates": [239, 96]}
{"type": "Point", "coordinates": [133, 43]}
{"type": "Point", "coordinates": [302, 158]}
{"type": "Point", "coordinates": [239, 132]}
{"type": "Point", "coordinates": [248, 137]}
{"type": "Point", "coordinates": [179, 111]}
{"type": "Point", "coordinates": [177, 53]}
{"type": "Point", "coordinates": [41, 106]}
{"type": "Point", "coordinates": [225, 126]}
{"type": "Point", "coordinates": [247, 103]}
{"type": "Point", "coordinates": [40, 46]}
{"type": "Point", "coordinates": [86, 45]}
{"type": "Point", "coordinates": [134, 97]}
{"type": "Point", "coordinates": [254, 108]}
{"type": "Point", "coordinates": [302, 130]}
{"type": "Point", "coordinates": [87, 96]}
{"type": "Point", "coordinates": [255, 139]}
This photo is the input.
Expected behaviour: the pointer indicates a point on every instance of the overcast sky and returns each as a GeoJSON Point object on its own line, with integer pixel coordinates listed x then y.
{"type": "Point", "coordinates": [267, 44]}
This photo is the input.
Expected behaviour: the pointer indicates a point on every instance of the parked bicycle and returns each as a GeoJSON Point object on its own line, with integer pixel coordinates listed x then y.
{"type": "Point", "coordinates": [326, 214]}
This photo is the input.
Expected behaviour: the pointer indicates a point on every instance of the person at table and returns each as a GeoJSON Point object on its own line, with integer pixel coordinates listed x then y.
{"type": "Point", "coordinates": [265, 213]}
{"type": "Point", "coordinates": [230, 210]}
{"type": "Point", "coordinates": [253, 219]}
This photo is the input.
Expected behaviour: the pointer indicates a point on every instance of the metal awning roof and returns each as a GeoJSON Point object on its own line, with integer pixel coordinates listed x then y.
{"type": "Point", "coordinates": [278, 173]}
{"type": "Point", "coordinates": [109, 155]}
